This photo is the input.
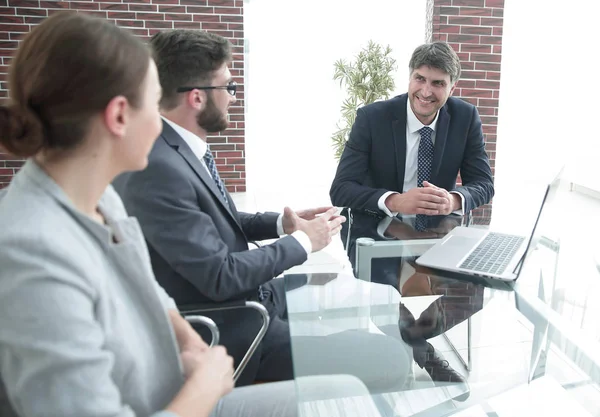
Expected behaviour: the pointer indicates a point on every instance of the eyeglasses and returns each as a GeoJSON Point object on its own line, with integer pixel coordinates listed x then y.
{"type": "Point", "coordinates": [231, 88]}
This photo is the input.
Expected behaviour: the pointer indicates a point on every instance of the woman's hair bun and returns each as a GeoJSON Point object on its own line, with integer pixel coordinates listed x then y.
{"type": "Point", "coordinates": [21, 131]}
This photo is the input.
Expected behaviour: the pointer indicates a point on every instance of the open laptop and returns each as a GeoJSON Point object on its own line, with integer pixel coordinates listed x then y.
{"type": "Point", "coordinates": [479, 252]}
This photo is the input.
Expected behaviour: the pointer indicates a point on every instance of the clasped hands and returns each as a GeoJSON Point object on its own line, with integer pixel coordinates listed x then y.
{"type": "Point", "coordinates": [320, 224]}
{"type": "Point", "coordinates": [429, 200]}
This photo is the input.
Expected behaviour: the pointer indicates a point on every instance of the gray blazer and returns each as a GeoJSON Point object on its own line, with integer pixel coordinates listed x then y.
{"type": "Point", "coordinates": [84, 326]}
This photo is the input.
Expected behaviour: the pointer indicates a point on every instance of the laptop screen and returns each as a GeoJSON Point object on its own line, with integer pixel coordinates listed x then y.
{"type": "Point", "coordinates": [535, 235]}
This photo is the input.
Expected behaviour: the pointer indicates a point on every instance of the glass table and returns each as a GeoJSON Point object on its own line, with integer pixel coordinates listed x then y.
{"type": "Point", "coordinates": [429, 343]}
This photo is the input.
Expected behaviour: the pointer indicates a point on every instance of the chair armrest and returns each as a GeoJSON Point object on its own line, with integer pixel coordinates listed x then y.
{"type": "Point", "coordinates": [185, 310]}
{"type": "Point", "coordinates": [212, 326]}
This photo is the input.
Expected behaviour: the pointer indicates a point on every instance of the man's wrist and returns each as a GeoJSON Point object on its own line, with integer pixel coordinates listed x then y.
{"type": "Point", "coordinates": [456, 201]}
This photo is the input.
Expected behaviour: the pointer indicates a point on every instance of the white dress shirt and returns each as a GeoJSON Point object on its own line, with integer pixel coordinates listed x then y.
{"type": "Point", "coordinates": [413, 138]}
{"type": "Point", "coordinates": [199, 147]}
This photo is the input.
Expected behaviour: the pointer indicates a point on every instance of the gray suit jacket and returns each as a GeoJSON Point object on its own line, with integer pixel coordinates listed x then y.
{"type": "Point", "coordinates": [198, 243]}
{"type": "Point", "coordinates": [85, 331]}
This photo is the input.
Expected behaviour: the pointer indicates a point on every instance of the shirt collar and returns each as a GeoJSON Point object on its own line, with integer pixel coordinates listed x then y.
{"type": "Point", "coordinates": [414, 125]}
{"type": "Point", "coordinates": [196, 144]}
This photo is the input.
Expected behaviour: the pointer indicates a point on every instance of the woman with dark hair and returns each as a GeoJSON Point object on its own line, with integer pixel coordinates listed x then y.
{"type": "Point", "coordinates": [85, 330]}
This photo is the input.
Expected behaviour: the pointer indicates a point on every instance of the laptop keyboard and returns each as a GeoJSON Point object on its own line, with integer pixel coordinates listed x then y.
{"type": "Point", "coordinates": [493, 253]}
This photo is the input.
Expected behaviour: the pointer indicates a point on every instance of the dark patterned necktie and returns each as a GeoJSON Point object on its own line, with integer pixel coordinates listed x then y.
{"type": "Point", "coordinates": [212, 168]}
{"type": "Point", "coordinates": [424, 159]}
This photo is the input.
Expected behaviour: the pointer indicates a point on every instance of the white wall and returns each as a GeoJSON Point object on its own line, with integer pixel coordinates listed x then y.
{"type": "Point", "coordinates": [548, 96]}
{"type": "Point", "coordinates": [293, 103]}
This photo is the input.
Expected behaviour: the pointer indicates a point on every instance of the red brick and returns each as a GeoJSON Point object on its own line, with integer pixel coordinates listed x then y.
{"type": "Point", "coordinates": [487, 66]}
{"type": "Point", "coordinates": [463, 38]}
{"type": "Point", "coordinates": [10, 10]}
{"type": "Point", "coordinates": [14, 28]}
{"type": "Point", "coordinates": [227, 168]}
{"type": "Point", "coordinates": [494, 3]}
{"type": "Point", "coordinates": [469, 47]}
{"type": "Point", "coordinates": [25, 3]}
{"type": "Point", "coordinates": [498, 12]}
{"type": "Point", "coordinates": [206, 18]}
{"type": "Point", "coordinates": [224, 33]}
{"type": "Point", "coordinates": [449, 10]}
{"type": "Point", "coordinates": [221, 3]}
{"type": "Point", "coordinates": [9, 44]}
{"type": "Point", "coordinates": [217, 139]}
{"type": "Point", "coordinates": [490, 129]}
{"type": "Point", "coordinates": [475, 30]}
{"type": "Point", "coordinates": [236, 181]}
{"type": "Point", "coordinates": [465, 83]}
{"type": "Point", "coordinates": [493, 40]}
{"type": "Point", "coordinates": [472, 74]}
{"type": "Point", "coordinates": [231, 19]}
{"type": "Point", "coordinates": [497, 31]}
{"type": "Point", "coordinates": [469, 3]}
{"type": "Point", "coordinates": [228, 10]}
{"type": "Point", "coordinates": [171, 9]}
{"type": "Point", "coordinates": [155, 24]}
{"type": "Point", "coordinates": [130, 23]}
{"type": "Point", "coordinates": [34, 20]}
{"type": "Point", "coordinates": [123, 15]}
{"type": "Point", "coordinates": [496, 93]}
{"type": "Point", "coordinates": [477, 93]}
{"type": "Point", "coordinates": [181, 17]}
{"type": "Point", "coordinates": [488, 103]}
{"type": "Point", "coordinates": [143, 8]}
{"type": "Point", "coordinates": [461, 20]}
{"type": "Point", "coordinates": [486, 111]}
{"type": "Point", "coordinates": [187, 25]}
{"type": "Point", "coordinates": [54, 5]}
{"type": "Point", "coordinates": [106, 6]}
{"type": "Point", "coordinates": [492, 75]}
{"type": "Point", "coordinates": [471, 100]}
{"type": "Point", "coordinates": [489, 120]}
{"type": "Point", "coordinates": [201, 10]}
{"type": "Point", "coordinates": [165, 1]}
{"type": "Point", "coordinates": [150, 16]}
{"type": "Point", "coordinates": [214, 26]}
{"type": "Point", "coordinates": [232, 154]}
{"type": "Point", "coordinates": [449, 29]}
{"type": "Point", "coordinates": [11, 19]}
{"type": "Point", "coordinates": [486, 57]}
{"type": "Point", "coordinates": [491, 21]}
{"type": "Point", "coordinates": [222, 148]}
{"type": "Point", "coordinates": [469, 66]}
{"type": "Point", "coordinates": [475, 11]}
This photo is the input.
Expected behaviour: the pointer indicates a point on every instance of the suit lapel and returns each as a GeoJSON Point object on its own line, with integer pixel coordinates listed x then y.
{"type": "Point", "coordinates": [441, 135]}
{"type": "Point", "coordinates": [399, 129]}
{"type": "Point", "coordinates": [177, 143]}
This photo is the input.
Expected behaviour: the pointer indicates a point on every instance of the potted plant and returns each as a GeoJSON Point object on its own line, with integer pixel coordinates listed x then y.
{"type": "Point", "coordinates": [367, 79]}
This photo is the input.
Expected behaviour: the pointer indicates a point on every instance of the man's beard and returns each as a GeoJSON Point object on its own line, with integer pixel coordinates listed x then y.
{"type": "Point", "coordinates": [211, 119]}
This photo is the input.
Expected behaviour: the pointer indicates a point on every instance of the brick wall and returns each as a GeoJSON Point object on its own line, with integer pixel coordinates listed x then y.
{"type": "Point", "coordinates": [474, 29]}
{"type": "Point", "coordinates": [144, 18]}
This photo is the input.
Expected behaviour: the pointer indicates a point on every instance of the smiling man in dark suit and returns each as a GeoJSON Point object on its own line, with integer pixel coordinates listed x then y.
{"type": "Point", "coordinates": [404, 154]}
{"type": "Point", "coordinates": [403, 157]}
{"type": "Point", "coordinates": [197, 239]}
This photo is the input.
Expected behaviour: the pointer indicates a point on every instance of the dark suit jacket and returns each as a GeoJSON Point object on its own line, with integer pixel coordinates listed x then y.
{"type": "Point", "coordinates": [374, 158]}
{"type": "Point", "coordinates": [198, 244]}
